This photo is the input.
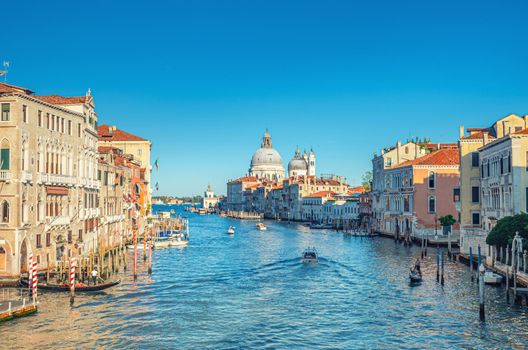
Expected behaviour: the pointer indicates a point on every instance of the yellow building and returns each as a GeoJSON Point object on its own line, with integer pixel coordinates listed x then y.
{"type": "Point", "coordinates": [130, 144]}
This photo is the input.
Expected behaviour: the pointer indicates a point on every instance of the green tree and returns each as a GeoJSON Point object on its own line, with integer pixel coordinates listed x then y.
{"type": "Point", "coordinates": [447, 220]}
{"type": "Point", "coordinates": [502, 234]}
{"type": "Point", "coordinates": [366, 180]}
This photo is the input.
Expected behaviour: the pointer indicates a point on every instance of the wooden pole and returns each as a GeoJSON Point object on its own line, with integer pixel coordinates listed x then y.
{"type": "Point", "coordinates": [135, 255]}
{"type": "Point", "coordinates": [471, 262]}
{"type": "Point", "coordinates": [145, 244]}
{"type": "Point", "coordinates": [442, 280]}
{"type": "Point", "coordinates": [437, 264]}
{"type": "Point", "coordinates": [481, 292]}
{"type": "Point", "coordinates": [507, 284]}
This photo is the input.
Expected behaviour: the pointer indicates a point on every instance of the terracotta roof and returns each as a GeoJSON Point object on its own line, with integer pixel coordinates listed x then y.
{"type": "Point", "coordinates": [251, 186]}
{"type": "Point", "coordinates": [61, 100]}
{"type": "Point", "coordinates": [445, 156]}
{"type": "Point", "coordinates": [8, 88]}
{"type": "Point", "coordinates": [104, 149]}
{"type": "Point", "coordinates": [246, 179]}
{"type": "Point", "coordinates": [478, 135]}
{"type": "Point", "coordinates": [106, 134]}
{"type": "Point", "coordinates": [441, 145]}
{"type": "Point", "coordinates": [321, 194]}
{"type": "Point", "coordinates": [356, 189]}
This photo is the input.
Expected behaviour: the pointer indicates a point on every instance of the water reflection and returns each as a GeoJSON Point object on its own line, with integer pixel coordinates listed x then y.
{"type": "Point", "coordinates": [251, 290]}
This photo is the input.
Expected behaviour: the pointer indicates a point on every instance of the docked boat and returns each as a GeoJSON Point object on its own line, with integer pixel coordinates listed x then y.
{"type": "Point", "coordinates": [177, 240]}
{"type": "Point", "coordinates": [310, 255]}
{"type": "Point", "coordinates": [79, 287]}
{"type": "Point", "coordinates": [161, 242]}
{"type": "Point", "coordinates": [321, 226]}
{"type": "Point", "coordinates": [491, 277]}
{"type": "Point", "coordinates": [231, 230]}
{"type": "Point", "coordinates": [261, 227]}
{"type": "Point", "coordinates": [415, 276]}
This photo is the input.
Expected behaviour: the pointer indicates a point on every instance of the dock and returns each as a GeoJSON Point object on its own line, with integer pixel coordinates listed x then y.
{"type": "Point", "coordinates": [13, 306]}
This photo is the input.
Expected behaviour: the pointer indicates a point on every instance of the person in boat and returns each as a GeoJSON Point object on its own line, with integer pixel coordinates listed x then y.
{"type": "Point", "coordinates": [94, 275]}
{"type": "Point", "coordinates": [417, 266]}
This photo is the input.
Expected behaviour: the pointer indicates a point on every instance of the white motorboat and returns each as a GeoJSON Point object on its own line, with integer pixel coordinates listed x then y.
{"type": "Point", "coordinates": [231, 230]}
{"type": "Point", "coordinates": [310, 255]}
{"type": "Point", "coordinates": [491, 277]}
{"type": "Point", "coordinates": [261, 226]}
{"type": "Point", "coordinates": [161, 242]}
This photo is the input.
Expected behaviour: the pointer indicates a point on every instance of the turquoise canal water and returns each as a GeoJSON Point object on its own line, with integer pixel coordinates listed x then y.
{"type": "Point", "coordinates": [252, 291]}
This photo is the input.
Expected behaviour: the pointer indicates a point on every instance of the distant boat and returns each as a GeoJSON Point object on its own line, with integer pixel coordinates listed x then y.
{"type": "Point", "coordinates": [491, 277]}
{"type": "Point", "coordinates": [261, 227]}
{"type": "Point", "coordinates": [310, 255]}
{"type": "Point", "coordinates": [231, 230]}
{"type": "Point", "coordinates": [415, 276]}
{"type": "Point", "coordinates": [321, 226]}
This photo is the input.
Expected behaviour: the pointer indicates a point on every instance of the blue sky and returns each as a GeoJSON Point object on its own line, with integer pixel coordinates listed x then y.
{"type": "Point", "coordinates": [204, 79]}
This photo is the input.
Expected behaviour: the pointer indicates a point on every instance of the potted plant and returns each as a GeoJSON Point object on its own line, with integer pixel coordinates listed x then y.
{"type": "Point", "coordinates": [446, 222]}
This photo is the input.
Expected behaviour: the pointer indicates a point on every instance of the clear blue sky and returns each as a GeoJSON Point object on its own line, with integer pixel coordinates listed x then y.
{"type": "Point", "coordinates": [203, 79]}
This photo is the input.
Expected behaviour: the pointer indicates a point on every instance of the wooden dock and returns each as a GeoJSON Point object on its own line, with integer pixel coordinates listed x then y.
{"type": "Point", "coordinates": [10, 309]}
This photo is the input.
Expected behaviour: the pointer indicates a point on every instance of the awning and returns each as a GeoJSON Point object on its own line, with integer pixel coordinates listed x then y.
{"type": "Point", "coordinates": [57, 190]}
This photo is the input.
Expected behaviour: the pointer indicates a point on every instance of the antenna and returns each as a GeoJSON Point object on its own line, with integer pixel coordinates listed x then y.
{"type": "Point", "coordinates": [5, 71]}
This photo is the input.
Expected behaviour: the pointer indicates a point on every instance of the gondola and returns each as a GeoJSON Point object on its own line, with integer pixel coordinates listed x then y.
{"type": "Point", "coordinates": [415, 276]}
{"type": "Point", "coordinates": [78, 287]}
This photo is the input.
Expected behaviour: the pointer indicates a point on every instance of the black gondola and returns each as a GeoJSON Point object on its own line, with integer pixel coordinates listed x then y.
{"type": "Point", "coordinates": [78, 288]}
{"type": "Point", "coordinates": [415, 276]}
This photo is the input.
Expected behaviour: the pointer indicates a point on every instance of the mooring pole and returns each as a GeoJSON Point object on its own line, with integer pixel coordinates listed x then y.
{"type": "Point", "coordinates": [135, 255]}
{"type": "Point", "coordinates": [481, 292]}
{"type": "Point", "coordinates": [437, 264]}
{"type": "Point", "coordinates": [442, 280]}
{"type": "Point", "coordinates": [479, 261]}
{"type": "Point", "coordinates": [471, 262]}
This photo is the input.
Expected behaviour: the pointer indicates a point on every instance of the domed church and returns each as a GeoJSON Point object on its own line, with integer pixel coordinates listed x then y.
{"type": "Point", "coordinates": [267, 162]}
{"type": "Point", "coordinates": [302, 165]}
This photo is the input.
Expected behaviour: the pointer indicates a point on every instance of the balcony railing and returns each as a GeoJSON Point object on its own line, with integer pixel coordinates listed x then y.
{"type": "Point", "coordinates": [55, 180]}
{"type": "Point", "coordinates": [112, 218]}
{"type": "Point", "coordinates": [89, 183]}
{"type": "Point", "coordinates": [5, 175]}
{"type": "Point", "coordinates": [57, 220]}
{"type": "Point", "coordinates": [26, 176]}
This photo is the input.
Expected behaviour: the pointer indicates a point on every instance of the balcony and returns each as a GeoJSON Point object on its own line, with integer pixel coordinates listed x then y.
{"type": "Point", "coordinates": [26, 176]}
{"type": "Point", "coordinates": [89, 183]}
{"type": "Point", "coordinates": [110, 219]}
{"type": "Point", "coordinates": [55, 180]}
{"type": "Point", "coordinates": [5, 175]}
{"type": "Point", "coordinates": [57, 221]}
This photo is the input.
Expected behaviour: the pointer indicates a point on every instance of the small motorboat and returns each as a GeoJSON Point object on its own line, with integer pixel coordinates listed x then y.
{"type": "Point", "coordinates": [231, 230]}
{"type": "Point", "coordinates": [491, 277]}
{"type": "Point", "coordinates": [415, 276]}
{"type": "Point", "coordinates": [321, 226]}
{"type": "Point", "coordinates": [261, 226]}
{"type": "Point", "coordinates": [309, 255]}
{"type": "Point", "coordinates": [178, 240]}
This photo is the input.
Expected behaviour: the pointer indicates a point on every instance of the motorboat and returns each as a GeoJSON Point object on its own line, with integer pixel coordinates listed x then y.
{"type": "Point", "coordinates": [130, 246]}
{"type": "Point", "coordinates": [161, 242]}
{"type": "Point", "coordinates": [415, 276]}
{"type": "Point", "coordinates": [231, 230]}
{"type": "Point", "coordinates": [321, 226]}
{"type": "Point", "coordinates": [309, 255]}
{"type": "Point", "coordinates": [261, 226]}
{"type": "Point", "coordinates": [491, 277]}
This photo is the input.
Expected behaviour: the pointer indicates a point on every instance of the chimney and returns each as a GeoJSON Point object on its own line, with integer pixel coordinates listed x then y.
{"type": "Point", "coordinates": [485, 137]}
{"type": "Point", "coordinates": [461, 131]}
{"type": "Point", "coordinates": [416, 150]}
{"type": "Point", "coordinates": [398, 148]}
{"type": "Point", "coordinates": [525, 121]}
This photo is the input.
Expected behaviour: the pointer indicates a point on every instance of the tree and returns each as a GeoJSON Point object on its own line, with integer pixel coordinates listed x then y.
{"type": "Point", "coordinates": [447, 220]}
{"type": "Point", "coordinates": [366, 180]}
{"type": "Point", "coordinates": [502, 234]}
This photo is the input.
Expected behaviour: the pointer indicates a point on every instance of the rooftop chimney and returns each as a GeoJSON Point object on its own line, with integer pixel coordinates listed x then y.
{"type": "Point", "coordinates": [461, 131]}
{"type": "Point", "coordinates": [485, 137]}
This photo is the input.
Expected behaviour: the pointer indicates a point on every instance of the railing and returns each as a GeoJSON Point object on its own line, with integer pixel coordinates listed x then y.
{"type": "Point", "coordinates": [26, 176]}
{"type": "Point", "coordinates": [5, 175]}
{"type": "Point", "coordinates": [112, 218]}
{"type": "Point", "coordinates": [86, 182]}
{"type": "Point", "coordinates": [54, 179]}
{"type": "Point", "coordinates": [57, 220]}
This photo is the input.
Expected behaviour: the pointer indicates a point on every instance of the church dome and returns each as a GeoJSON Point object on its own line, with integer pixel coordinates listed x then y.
{"type": "Point", "coordinates": [297, 164]}
{"type": "Point", "coordinates": [266, 156]}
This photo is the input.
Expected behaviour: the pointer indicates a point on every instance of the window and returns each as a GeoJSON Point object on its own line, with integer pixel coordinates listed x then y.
{"type": "Point", "coordinates": [79, 130]}
{"type": "Point", "coordinates": [475, 192]}
{"type": "Point", "coordinates": [70, 236]}
{"type": "Point", "coordinates": [475, 219]}
{"type": "Point", "coordinates": [69, 127]}
{"type": "Point", "coordinates": [24, 114]}
{"type": "Point", "coordinates": [6, 109]}
{"type": "Point", "coordinates": [39, 119]}
{"type": "Point", "coordinates": [5, 212]}
{"type": "Point", "coordinates": [80, 235]}
{"type": "Point", "coordinates": [4, 155]}
{"type": "Point", "coordinates": [52, 122]}
{"type": "Point", "coordinates": [509, 163]}
{"type": "Point", "coordinates": [39, 240]}
{"type": "Point", "coordinates": [48, 239]}
{"type": "Point", "coordinates": [475, 159]}
{"type": "Point", "coordinates": [432, 204]}
{"type": "Point", "coordinates": [432, 179]}
{"type": "Point", "coordinates": [456, 194]}
{"type": "Point", "coordinates": [47, 120]}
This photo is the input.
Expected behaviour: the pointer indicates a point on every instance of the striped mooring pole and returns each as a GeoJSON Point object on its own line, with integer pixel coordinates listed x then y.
{"type": "Point", "coordinates": [30, 272]}
{"type": "Point", "coordinates": [34, 281]}
{"type": "Point", "coordinates": [73, 265]}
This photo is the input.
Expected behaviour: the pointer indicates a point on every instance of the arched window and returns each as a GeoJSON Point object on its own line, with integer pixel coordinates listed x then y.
{"type": "Point", "coordinates": [4, 155]}
{"type": "Point", "coordinates": [432, 204]}
{"type": "Point", "coordinates": [5, 212]}
{"type": "Point", "coordinates": [432, 179]}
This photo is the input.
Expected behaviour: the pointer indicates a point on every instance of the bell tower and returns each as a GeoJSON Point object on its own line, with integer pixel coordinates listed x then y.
{"type": "Point", "coordinates": [311, 163]}
{"type": "Point", "coordinates": [266, 140]}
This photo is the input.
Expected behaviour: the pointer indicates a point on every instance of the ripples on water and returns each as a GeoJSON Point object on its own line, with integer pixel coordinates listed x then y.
{"type": "Point", "coordinates": [251, 290]}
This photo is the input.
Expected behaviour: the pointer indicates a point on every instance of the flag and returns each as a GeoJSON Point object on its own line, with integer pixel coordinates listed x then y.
{"type": "Point", "coordinates": [156, 164]}
{"type": "Point", "coordinates": [157, 187]}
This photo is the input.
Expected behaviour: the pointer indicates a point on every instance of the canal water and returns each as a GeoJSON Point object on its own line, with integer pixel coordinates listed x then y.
{"type": "Point", "coordinates": [251, 290]}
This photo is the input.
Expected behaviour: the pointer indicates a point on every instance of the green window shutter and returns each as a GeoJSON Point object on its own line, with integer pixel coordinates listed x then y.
{"type": "Point", "coordinates": [4, 158]}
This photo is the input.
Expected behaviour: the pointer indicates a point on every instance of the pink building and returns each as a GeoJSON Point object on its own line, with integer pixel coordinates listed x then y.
{"type": "Point", "coordinates": [419, 192]}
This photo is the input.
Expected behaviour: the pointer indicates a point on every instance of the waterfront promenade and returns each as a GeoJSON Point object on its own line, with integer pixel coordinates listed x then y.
{"type": "Point", "coordinates": [251, 290]}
